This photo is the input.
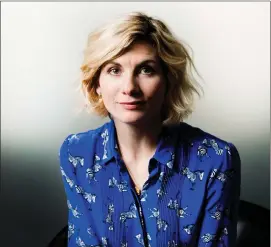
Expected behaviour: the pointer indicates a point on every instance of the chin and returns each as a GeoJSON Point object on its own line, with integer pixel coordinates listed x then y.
{"type": "Point", "coordinates": [132, 118]}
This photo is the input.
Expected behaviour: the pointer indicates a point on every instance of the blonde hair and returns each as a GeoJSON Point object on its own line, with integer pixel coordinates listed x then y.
{"type": "Point", "coordinates": [112, 40]}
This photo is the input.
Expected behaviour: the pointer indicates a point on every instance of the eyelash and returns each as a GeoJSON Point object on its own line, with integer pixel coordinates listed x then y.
{"type": "Point", "coordinates": [111, 69]}
{"type": "Point", "coordinates": [144, 67]}
{"type": "Point", "coordinates": [148, 68]}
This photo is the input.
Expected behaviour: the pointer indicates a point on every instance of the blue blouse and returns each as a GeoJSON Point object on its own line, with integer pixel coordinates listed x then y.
{"type": "Point", "coordinates": [190, 198]}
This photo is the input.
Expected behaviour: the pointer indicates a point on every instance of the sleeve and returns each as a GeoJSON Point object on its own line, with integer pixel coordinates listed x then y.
{"type": "Point", "coordinates": [220, 215]}
{"type": "Point", "coordinates": [68, 173]}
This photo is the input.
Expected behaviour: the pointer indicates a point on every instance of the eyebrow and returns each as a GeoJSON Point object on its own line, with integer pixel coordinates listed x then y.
{"type": "Point", "coordinates": [138, 65]}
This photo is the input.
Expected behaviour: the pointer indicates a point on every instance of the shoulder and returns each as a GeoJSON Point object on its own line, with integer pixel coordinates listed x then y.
{"type": "Point", "coordinates": [204, 147]}
{"type": "Point", "coordinates": [82, 141]}
{"type": "Point", "coordinates": [195, 135]}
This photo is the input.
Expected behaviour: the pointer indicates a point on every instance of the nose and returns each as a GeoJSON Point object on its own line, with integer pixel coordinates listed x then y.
{"type": "Point", "coordinates": [130, 85]}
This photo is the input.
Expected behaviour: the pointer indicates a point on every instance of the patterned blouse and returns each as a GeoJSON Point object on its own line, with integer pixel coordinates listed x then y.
{"type": "Point", "coordinates": [190, 198]}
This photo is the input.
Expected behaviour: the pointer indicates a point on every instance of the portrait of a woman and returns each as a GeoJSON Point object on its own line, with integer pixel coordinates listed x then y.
{"type": "Point", "coordinates": [146, 178]}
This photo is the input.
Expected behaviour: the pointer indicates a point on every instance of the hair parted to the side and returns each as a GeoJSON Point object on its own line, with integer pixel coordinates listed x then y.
{"type": "Point", "coordinates": [113, 39]}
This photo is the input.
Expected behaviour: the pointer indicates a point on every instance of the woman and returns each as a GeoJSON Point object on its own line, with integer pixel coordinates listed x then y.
{"type": "Point", "coordinates": [146, 178]}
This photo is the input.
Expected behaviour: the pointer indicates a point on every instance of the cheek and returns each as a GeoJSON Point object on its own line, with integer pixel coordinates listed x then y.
{"type": "Point", "coordinates": [109, 97]}
{"type": "Point", "coordinates": [157, 91]}
{"type": "Point", "coordinates": [107, 87]}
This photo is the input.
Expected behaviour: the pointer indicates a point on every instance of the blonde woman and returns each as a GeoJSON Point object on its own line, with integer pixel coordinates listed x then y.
{"type": "Point", "coordinates": [146, 178]}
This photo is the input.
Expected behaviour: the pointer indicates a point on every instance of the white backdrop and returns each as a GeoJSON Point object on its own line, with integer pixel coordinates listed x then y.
{"type": "Point", "coordinates": [42, 50]}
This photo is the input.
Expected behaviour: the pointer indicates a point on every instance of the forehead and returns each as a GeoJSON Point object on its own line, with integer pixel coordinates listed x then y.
{"type": "Point", "coordinates": [138, 52]}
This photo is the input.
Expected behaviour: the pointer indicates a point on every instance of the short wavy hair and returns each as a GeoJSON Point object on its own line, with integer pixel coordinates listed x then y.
{"type": "Point", "coordinates": [114, 38]}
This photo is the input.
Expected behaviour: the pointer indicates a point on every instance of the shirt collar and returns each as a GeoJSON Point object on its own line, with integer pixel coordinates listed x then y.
{"type": "Point", "coordinates": [109, 142]}
{"type": "Point", "coordinates": [164, 153]}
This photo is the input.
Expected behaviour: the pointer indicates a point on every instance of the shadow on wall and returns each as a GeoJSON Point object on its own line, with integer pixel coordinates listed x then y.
{"type": "Point", "coordinates": [33, 203]}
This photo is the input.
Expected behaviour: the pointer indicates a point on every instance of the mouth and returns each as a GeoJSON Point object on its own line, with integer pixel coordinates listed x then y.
{"type": "Point", "coordinates": [132, 105]}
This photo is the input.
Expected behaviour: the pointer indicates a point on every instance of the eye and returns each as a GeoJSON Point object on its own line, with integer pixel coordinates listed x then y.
{"type": "Point", "coordinates": [147, 70]}
{"type": "Point", "coordinates": [114, 71]}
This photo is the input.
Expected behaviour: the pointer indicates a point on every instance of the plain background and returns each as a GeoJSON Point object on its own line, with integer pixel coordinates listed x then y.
{"type": "Point", "coordinates": [42, 50]}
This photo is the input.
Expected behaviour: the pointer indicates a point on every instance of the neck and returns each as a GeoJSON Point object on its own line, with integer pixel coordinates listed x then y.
{"type": "Point", "coordinates": [137, 142]}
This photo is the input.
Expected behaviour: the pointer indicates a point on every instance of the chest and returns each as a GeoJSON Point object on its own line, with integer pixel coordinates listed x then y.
{"type": "Point", "coordinates": [138, 172]}
{"type": "Point", "coordinates": [164, 203]}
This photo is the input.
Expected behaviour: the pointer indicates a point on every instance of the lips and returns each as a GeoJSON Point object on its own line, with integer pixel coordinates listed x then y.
{"type": "Point", "coordinates": [135, 105]}
{"type": "Point", "coordinates": [132, 103]}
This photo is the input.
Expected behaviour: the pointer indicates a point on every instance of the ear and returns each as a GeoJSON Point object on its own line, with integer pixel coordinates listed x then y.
{"type": "Point", "coordinates": [98, 90]}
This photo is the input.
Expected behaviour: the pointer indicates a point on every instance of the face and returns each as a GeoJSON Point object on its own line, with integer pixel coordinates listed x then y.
{"type": "Point", "coordinates": [133, 86]}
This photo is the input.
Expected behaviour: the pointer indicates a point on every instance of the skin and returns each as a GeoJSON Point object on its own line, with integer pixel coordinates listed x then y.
{"type": "Point", "coordinates": [125, 79]}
